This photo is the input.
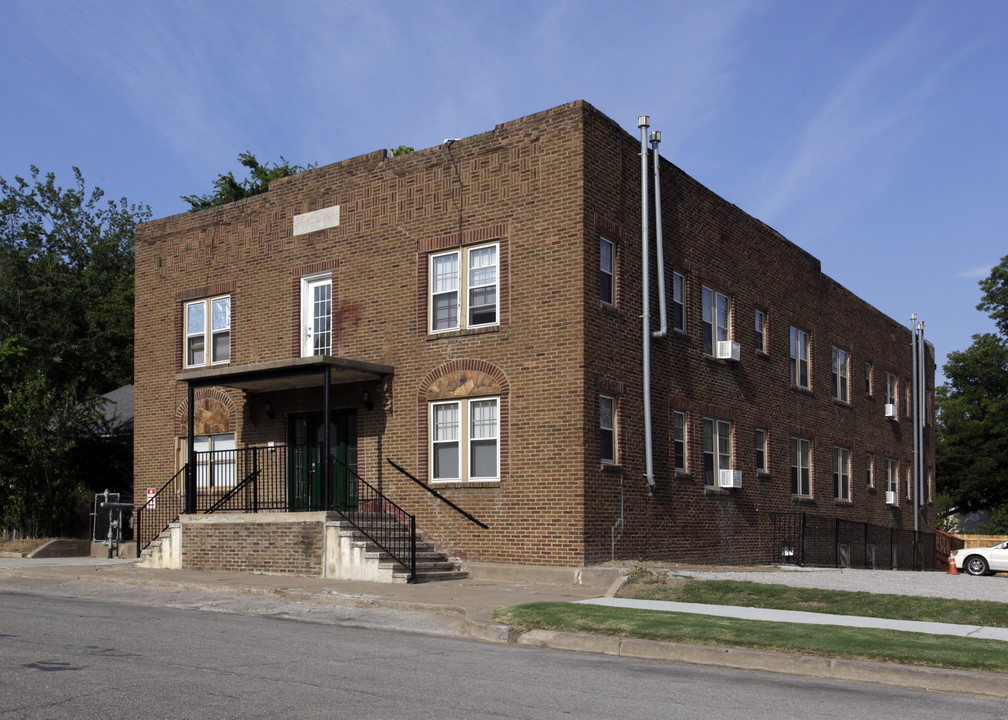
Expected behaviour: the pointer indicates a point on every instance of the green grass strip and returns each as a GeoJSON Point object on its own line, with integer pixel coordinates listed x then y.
{"type": "Point", "coordinates": [831, 641]}
{"type": "Point", "coordinates": [832, 602]}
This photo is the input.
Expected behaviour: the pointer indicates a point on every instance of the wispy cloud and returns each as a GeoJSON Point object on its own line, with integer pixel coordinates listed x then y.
{"type": "Point", "coordinates": [870, 118]}
{"type": "Point", "coordinates": [975, 273]}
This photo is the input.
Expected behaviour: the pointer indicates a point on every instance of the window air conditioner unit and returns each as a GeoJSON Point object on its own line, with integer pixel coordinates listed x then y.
{"type": "Point", "coordinates": [730, 478]}
{"type": "Point", "coordinates": [727, 350]}
{"type": "Point", "coordinates": [891, 411]}
{"type": "Point", "coordinates": [890, 497]}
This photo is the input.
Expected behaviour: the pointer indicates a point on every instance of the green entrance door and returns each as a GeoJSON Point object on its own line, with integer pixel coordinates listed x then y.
{"type": "Point", "coordinates": [304, 460]}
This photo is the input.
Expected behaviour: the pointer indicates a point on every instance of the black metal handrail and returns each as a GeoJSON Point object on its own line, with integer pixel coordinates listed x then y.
{"type": "Point", "coordinates": [438, 495]}
{"type": "Point", "coordinates": [156, 509]}
{"type": "Point", "coordinates": [378, 518]}
{"type": "Point", "coordinates": [250, 479]}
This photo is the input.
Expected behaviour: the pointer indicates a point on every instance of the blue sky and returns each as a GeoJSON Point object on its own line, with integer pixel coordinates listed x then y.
{"type": "Point", "coordinates": [872, 134]}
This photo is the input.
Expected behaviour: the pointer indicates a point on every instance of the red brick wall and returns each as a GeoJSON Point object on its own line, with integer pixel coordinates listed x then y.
{"type": "Point", "coordinates": [712, 242]}
{"type": "Point", "coordinates": [280, 548]}
{"type": "Point", "coordinates": [544, 187]}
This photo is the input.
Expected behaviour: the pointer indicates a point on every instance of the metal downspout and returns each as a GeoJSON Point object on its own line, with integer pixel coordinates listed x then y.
{"type": "Point", "coordinates": [916, 447]}
{"type": "Point", "coordinates": [922, 415]}
{"type": "Point", "coordinates": [642, 122]}
{"type": "Point", "coordinates": [661, 332]}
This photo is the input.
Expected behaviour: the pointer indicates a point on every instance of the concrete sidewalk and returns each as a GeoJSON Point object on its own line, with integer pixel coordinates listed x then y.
{"type": "Point", "coordinates": [474, 601]}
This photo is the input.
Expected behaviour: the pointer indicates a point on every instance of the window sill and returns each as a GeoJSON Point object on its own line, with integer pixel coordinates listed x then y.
{"type": "Point", "coordinates": [762, 354]}
{"type": "Point", "coordinates": [841, 501]}
{"type": "Point", "coordinates": [460, 484]}
{"type": "Point", "coordinates": [803, 390]}
{"type": "Point", "coordinates": [610, 467]}
{"type": "Point", "coordinates": [726, 492]}
{"type": "Point", "coordinates": [841, 403]}
{"type": "Point", "coordinates": [803, 499]}
{"type": "Point", "coordinates": [763, 475]}
{"type": "Point", "coordinates": [464, 332]}
{"type": "Point", "coordinates": [682, 475]}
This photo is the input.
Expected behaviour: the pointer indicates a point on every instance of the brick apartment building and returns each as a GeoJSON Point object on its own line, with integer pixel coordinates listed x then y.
{"type": "Point", "coordinates": [472, 311]}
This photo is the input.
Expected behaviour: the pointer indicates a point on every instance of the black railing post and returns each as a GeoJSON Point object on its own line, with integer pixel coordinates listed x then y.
{"type": "Point", "coordinates": [412, 530]}
{"type": "Point", "coordinates": [803, 539]}
{"type": "Point", "coordinates": [255, 480]}
{"type": "Point", "coordinates": [836, 542]}
{"type": "Point", "coordinates": [190, 476]}
{"type": "Point", "coordinates": [139, 529]}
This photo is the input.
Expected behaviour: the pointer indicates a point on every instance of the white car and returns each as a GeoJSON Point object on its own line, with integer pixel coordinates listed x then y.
{"type": "Point", "coordinates": [980, 561]}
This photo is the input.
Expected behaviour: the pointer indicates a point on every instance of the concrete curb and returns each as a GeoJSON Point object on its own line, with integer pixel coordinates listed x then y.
{"type": "Point", "coordinates": [982, 684]}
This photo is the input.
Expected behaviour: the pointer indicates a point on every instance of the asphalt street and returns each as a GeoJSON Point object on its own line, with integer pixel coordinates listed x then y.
{"type": "Point", "coordinates": [80, 657]}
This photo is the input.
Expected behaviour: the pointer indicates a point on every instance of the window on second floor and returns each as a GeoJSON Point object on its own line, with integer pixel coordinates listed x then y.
{"type": "Point", "coordinates": [607, 288]}
{"type": "Point", "coordinates": [316, 315]}
{"type": "Point", "coordinates": [208, 325]}
{"type": "Point", "coordinates": [716, 319]}
{"type": "Point", "coordinates": [678, 302]}
{"type": "Point", "coordinates": [892, 390]}
{"type": "Point", "coordinates": [840, 375]}
{"type": "Point", "coordinates": [761, 339]}
{"type": "Point", "coordinates": [760, 442]}
{"type": "Point", "coordinates": [869, 380]}
{"type": "Point", "coordinates": [799, 358]}
{"type": "Point", "coordinates": [463, 288]}
{"type": "Point", "coordinates": [870, 470]}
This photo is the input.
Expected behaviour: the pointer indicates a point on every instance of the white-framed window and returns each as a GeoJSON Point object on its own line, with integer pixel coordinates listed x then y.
{"type": "Point", "coordinates": [892, 477]}
{"type": "Point", "coordinates": [840, 375]}
{"type": "Point", "coordinates": [679, 441]}
{"type": "Point", "coordinates": [870, 469]}
{"type": "Point", "coordinates": [760, 447]}
{"type": "Point", "coordinates": [607, 429]}
{"type": "Point", "coordinates": [465, 440]}
{"type": "Point", "coordinates": [891, 389]}
{"type": "Point", "coordinates": [907, 395]}
{"type": "Point", "coordinates": [717, 449]}
{"type": "Point", "coordinates": [678, 302]}
{"type": "Point", "coordinates": [800, 358]}
{"type": "Point", "coordinates": [208, 325]}
{"type": "Point", "coordinates": [215, 460]}
{"type": "Point", "coordinates": [607, 278]}
{"type": "Point", "coordinates": [316, 315]}
{"type": "Point", "coordinates": [463, 288]}
{"type": "Point", "coordinates": [801, 467]}
{"type": "Point", "coordinates": [760, 323]}
{"type": "Point", "coordinates": [909, 481]}
{"type": "Point", "coordinates": [716, 316]}
{"type": "Point", "coordinates": [841, 473]}
{"type": "Point", "coordinates": [869, 379]}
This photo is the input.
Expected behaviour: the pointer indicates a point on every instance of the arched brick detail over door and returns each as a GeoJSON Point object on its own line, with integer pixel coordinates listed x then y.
{"type": "Point", "coordinates": [215, 413]}
{"type": "Point", "coordinates": [463, 378]}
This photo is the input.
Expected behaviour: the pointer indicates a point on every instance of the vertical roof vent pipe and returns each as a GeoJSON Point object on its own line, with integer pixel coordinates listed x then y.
{"type": "Point", "coordinates": [659, 333]}
{"type": "Point", "coordinates": [643, 122]}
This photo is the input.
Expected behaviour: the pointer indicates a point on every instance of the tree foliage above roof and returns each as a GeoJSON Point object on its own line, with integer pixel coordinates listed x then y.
{"type": "Point", "coordinates": [227, 189]}
{"type": "Point", "coordinates": [972, 448]}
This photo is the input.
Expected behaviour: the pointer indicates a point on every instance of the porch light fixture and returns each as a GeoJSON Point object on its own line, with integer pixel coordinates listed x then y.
{"type": "Point", "coordinates": [268, 409]}
{"type": "Point", "coordinates": [365, 397]}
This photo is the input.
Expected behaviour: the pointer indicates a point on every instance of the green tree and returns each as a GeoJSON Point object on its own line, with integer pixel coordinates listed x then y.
{"type": "Point", "coordinates": [66, 336]}
{"type": "Point", "coordinates": [972, 431]}
{"type": "Point", "coordinates": [227, 189]}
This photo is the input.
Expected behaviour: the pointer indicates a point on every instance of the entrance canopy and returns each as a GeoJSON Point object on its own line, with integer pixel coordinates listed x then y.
{"type": "Point", "coordinates": [306, 372]}
{"type": "Point", "coordinates": [292, 374]}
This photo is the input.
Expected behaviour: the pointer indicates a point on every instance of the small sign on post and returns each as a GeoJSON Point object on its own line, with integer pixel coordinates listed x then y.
{"type": "Point", "coordinates": [151, 502]}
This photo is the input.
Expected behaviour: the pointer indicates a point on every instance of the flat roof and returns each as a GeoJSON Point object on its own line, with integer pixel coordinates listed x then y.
{"type": "Point", "coordinates": [292, 374]}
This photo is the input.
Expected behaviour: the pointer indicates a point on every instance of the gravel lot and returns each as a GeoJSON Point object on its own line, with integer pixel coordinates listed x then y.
{"type": "Point", "coordinates": [895, 582]}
